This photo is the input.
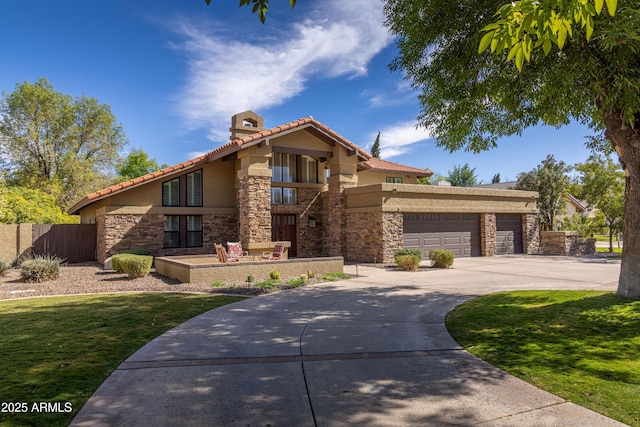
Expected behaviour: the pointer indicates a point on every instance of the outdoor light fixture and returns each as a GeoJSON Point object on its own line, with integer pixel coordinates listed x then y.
{"type": "Point", "coordinates": [312, 222]}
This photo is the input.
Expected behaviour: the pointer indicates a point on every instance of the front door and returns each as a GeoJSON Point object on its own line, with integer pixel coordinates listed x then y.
{"type": "Point", "coordinates": [283, 229]}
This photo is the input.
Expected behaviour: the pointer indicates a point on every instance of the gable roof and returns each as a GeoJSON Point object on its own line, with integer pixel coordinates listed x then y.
{"type": "Point", "coordinates": [308, 124]}
{"type": "Point", "coordinates": [374, 163]}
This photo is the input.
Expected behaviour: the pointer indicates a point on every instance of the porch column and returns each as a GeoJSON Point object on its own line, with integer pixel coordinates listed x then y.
{"type": "Point", "coordinates": [254, 195]}
{"type": "Point", "coordinates": [488, 232]}
{"type": "Point", "coordinates": [343, 168]}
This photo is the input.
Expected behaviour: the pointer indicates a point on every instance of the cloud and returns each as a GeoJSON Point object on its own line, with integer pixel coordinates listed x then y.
{"type": "Point", "coordinates": [399, 138]}
{"type": "Point", "coordinates": [227, 75]}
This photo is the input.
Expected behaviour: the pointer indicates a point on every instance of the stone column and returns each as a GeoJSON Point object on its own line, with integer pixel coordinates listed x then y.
{"type": "Point", "coordinates": [254, 195]}
{"type": "Point", "coordinates": [343, 167]}
{"type": "Point", "coordinates": [530, 233]}
{"type": "Point", "coordinates": [488, 232]}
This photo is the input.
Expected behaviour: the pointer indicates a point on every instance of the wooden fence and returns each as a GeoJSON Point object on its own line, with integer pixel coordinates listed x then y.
{"type": "Point", "coordinates": [73, 242]}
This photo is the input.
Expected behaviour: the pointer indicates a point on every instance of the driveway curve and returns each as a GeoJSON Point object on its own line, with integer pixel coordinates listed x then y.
{"type": "Point", "coordinates": [370, 351]}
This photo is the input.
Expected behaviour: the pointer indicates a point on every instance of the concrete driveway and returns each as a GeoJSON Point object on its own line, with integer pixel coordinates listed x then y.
{"type": "Point", "coordinates": [370, 351]}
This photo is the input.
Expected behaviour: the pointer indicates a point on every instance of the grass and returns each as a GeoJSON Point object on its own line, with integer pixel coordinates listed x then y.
{"type": "Point", "coordinates": [606, 250]}
{"type": "Point", "coordinates": [61, 349]}
{"type": "Point", "coordinates": [332, 277]}
{"type": "Point", "coordinates": [583, 346]}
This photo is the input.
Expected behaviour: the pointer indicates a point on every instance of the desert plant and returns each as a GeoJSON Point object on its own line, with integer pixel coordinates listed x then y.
{"type": "Point", "coordinates": [441, 258]}
{"type": "Point", "coordinates": [311, 274]}
{"type": "Point", "coordinates": [40, 268]}
{"type": "Point", "coordinates": [275, 275]}
{"type": "Point", "coordinates": [296, 282]}
{"type": "Point", "coordinates": [267, 284]}
{"type": "Point", "coordinates": [132, 265]}
{"type": "Point", "coordinates": [217, 284]}
{"type": "Point", "coordinates": [3, 268]}
{"type": "Point", "coordinates": [408, 262]}
{"type": "Point", "coordinates": [250, 278]}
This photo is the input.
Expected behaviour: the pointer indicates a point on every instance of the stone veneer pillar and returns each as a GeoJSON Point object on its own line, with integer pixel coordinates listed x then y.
{"type": "Point", "coordinates": [530, 234]}
{"type": "Point", "coordinates": [488, 233]}
{"type": "Point", "coordinates": [336, 226]}
{"type": "Point", "coordinates": [254, 209]}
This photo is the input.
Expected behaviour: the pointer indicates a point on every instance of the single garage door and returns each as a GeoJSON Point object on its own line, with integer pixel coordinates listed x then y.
{"type": "Point", "coordinates": [509, 234]}
{"type": "Point", "coordinates": [459, 233]}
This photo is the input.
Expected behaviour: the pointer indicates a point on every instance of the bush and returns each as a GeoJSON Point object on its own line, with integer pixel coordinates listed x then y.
{"type": "Point", "coordinates": [441, 258]}
{"type": "Point", "coordinates": [296, 282]}
{"type": "Point", "coordinates": [274, 275]}
{"type": "Point", "coordinates": [408, 262]}
{"type": "Point", "coordinates": [132, 265]}
{"type": "Point", "coordinates": [3, 268]}
{"type": "Point", "coordinates": [217, 284]}
{"type": "Point", "coordinates": [40, 268]}
{"type": "Point", "coordinates": [137, 251]}
{"type": "Point", "coordinates": [267, 284]}
{"type": "Point", "coordinates": [250, 278]}
{"type": "Point", "coordinates": [311, 274]}
{"type": "Point", "coordinates": [414, 252]}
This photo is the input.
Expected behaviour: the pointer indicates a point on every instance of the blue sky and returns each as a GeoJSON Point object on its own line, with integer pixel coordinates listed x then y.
{"type": "Point", "coordinates": [174, 72]}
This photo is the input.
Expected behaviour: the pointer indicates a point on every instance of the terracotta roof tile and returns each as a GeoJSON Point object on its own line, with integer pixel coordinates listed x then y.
{"type": "Point", "coordinates": [383, 165]}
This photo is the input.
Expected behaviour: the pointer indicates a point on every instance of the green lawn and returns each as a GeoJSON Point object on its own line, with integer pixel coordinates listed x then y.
{"type": "Point", "coordinates": [606, 250]}
{"type": "Point", "coordinates": [583, 346]}
{"type": "Point", "coordinates": [61, 349]}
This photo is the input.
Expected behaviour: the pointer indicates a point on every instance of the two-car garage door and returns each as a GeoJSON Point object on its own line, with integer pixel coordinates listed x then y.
{"type": "Point", "coordinates": [459, 233]}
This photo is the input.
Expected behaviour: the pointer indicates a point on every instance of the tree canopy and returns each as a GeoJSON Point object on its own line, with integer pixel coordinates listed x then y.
{"type": "Point", "coordinates": [375, 149]}
{"type": "Point", "coordinates": [463, 176]}
{"type": "Point", "coordinates": [137, 163]}
{"type": "Point", "coordinates": [62, 145]}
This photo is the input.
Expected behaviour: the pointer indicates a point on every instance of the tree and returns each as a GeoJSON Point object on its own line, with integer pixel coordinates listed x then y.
{"type": "Point", "coordinates": [259, 6]}
{"type": "Point", "coordinates": [136, 164]}
{"type": "Point", "coordinates": [469, 100]}
{"type": "Point", "coordinates": [26, 205]}
{"type": "Point", "coordinates": [53, 142]}
{"type": "Point", "coordinates": [551, 181]}
{"type": "Point", "coordinates": [375, 149]}
{"type": "Point", "coordinates": [602, 186]}
{"type": "Point", "coordinates": [463, 176]}
{"type": "Point", "coordinates": [496, 178]}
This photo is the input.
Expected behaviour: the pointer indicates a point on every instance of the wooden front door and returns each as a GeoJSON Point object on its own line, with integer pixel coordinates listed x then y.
{"type": "Point", "coordinates": [283, 229]}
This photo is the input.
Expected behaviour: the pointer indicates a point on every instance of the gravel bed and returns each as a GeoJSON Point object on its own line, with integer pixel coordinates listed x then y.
{"type": "Point", "coordinates": [91, 278]}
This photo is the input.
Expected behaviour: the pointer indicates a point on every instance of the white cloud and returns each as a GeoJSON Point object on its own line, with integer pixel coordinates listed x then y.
{"type": "Point", "coordinates": [227, 75]}
{"type": "Point", "coordinates": [397, 139]}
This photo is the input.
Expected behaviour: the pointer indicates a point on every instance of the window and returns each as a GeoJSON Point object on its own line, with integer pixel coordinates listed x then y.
{"type": "Point", "coordinates": [171, 231]}
{"type": "Point", "coordinates": [194, 188]}
{"type": "Point", "coordinates": [394, 180]}
{"type": "Point", "coordinates": [171, 192]}
{"type": "Point", "coordinates": [410, 217]}
{"type": "Point", "coordinates": [308, 169]}
{"type": "Point", "coordinates": [194, 231]}
{"type": "Point", "coordinates": [431, 217]}
{"type": "Point", "coordinates": [284, 196]}
{"type": "Point", "coordinates": [283, 166]}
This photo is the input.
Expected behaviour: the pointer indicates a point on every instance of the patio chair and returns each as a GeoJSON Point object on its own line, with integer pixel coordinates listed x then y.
{"type": "Point", "coordinates": [235, 250]}
{"type": "Point", "coordinates": [276, 254]}
{"type": "Point", "coordinates": [222, 254]}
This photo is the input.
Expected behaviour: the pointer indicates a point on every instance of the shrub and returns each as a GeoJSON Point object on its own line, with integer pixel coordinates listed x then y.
{"type": "Point", "coordinates": [275, 275]}
{"type": "Point", "coordinates": [402, 252]}
{"type": "Point", "coordinates": [408, 262]}
{"type": "Point", "coordinates": [137, 251]}
{"type": "Point", "coordinates": [250, 278]}
{"type": "Point", "coordinates": [267, 284]}
{"type": "Point", "coordinates": [217, 284]}
{"type": "Point", "coordinates": [40, 268]}
{"type": "Point", "coordinates": [441, 258]}
{"type": "Point", "coordinates": [3, 268]}
{"type": "Point", "coordinates": [296, 282]}
{"type": "Point", "coordinates": [311, 274]}
{"type": "Point", "coordinates": [132, 265]}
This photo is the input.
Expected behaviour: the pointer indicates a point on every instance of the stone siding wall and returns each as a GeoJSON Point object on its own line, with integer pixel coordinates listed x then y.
{"type": "Point", "coordinates": [335, 237]}
{"type": "Point", "coordinates": [488, 233]}
{"type": "Point", "coordinates": [566, 243]}
{"type": "Point", "coordinates": [373, 236]}
{"type": "Point", "coordinates": [530, 234]}
{"type": "Point", "coordinates": [117, 233]}
{"type": "Point", "coordinates": [254, 209]}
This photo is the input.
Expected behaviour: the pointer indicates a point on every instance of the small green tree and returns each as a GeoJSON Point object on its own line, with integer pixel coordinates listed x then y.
{"type": "Point", "coordinates": [496, 178]}
{"type": "Point", "coordinates": [602, 186]}
{"type": "Point", "coordinates": [26, 205]}
{"type": "Point", "coordinates": [375, 149]}
{"type": "Point", "coordinates": [463, 176]}
{"type": "Point", "coordinates": [550, 179]}
{"type": "Point", "coordinates": [136, 164]}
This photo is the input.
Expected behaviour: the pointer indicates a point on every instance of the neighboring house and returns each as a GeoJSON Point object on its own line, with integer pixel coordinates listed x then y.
{"type": "Point", "coordinates": [303, 183]}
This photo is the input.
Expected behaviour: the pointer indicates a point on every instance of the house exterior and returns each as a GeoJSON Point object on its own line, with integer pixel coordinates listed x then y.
{"type": "Point", "coordinates": [303, 183]}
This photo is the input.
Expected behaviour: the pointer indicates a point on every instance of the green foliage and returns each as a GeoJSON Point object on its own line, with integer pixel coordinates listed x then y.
{"type": "Point", "coordinates": [580, 345]}
{"type": "Point", "coordinates": [40, 268]}
{"type": "Point", "coordinates": [300, 281]}
{"type": "Point", "coordinates": [137, 251]}
{"type": "Point", "coordinates": [268, 284]}
{"type": "Point", "coordinates": [136, 164]}
{"type": "Point", "coordinates": [63, 348]}
{"type": "Point", "coordinates": [24, 205]}
{"type": "Point", "coordinates": [3, 268]}
{"type": "Point", "coordinates": [218, 284]}
{"type": "Point", "coordinates": [311, 274]}
{"type": "Point", "coordinates": [496, 178]}
{"type": "Point", "coordinates": [332, 277]}
{"type": "Point", "coordinates": [408, 262]}
{"type": "Point", "coordinates": [250, 278]}
{"type": "Point", "coordinates": [259, 6]}
{"type": "Point", "coordinates": [132, 265]}
{"type": "Point", "coordinates": [375, 149]}
{"type": "Point", "coordinates": [441, 258]}
{"type": "Point", "coordinates": [55, 143]}
{"type": "Point", "coordinates": [274, 275]}
{"type": "Point", "coordinates": [585, 226]}
{"type": "Point", "coordinates": [463, 176]}
{"type": "Point", "coordinates": [550, 179]}
{"type": "Point", "coordinates": [413, 252]}
{"type": "Point", "coordinates": [525, 25]}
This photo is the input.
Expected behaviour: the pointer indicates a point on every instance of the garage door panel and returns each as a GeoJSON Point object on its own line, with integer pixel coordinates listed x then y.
{"type": "Point", "coordinates": [509, 234]}
{"type": "Point", "coordinates": [459, 233]}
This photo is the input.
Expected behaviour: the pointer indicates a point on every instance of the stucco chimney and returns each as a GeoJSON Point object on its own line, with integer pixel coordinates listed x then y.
{"type": "Point", "coordinates": [246, 123]}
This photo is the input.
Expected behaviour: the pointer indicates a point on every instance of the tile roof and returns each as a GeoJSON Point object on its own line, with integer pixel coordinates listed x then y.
{"type": "Point", "coordinates": [237, 144]}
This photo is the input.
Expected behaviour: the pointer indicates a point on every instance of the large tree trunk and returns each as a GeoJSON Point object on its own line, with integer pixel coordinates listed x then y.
{"type": "Point", "coordinates": [626, 141]}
